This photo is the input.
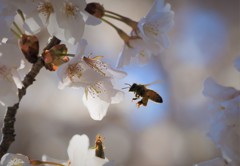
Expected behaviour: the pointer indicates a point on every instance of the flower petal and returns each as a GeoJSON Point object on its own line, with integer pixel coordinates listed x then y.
{"type": "Point", "coordinates": [93, 160]}
{"type": "Point", "coordinates": [97, 108]}
{"type": "Point", "coordinates": [78, 149]}
{"type": "Point", "coordinates": [90, 20]}
{"type": "Point", "coordinates": [216, 91]}
{"type": "Point", "coordinates": [14, 159]}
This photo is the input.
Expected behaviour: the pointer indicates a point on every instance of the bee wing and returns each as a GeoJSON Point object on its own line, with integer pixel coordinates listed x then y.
{"type": "Point", "coordinates": [154, 96]}
{"type": "Point", "coordinates": [152, 83]}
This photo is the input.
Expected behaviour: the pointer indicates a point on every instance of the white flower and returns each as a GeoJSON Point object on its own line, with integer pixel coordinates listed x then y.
{"type": "Point", "coordinates": [152, 31]}
{"type": "Point", "coordinates": [96, 77]}
{"type": "Point", "coordinates": [98, 97]}
{"type": "Point", "coordinates": [225, 128]}
{"type": "Point", "coordinates": [79, 153]}
{"type": "Point", "coordinates": [69, 18]}
{"type": "Point", "coordinates": [10, 62]}
{"type": "Point", "coordinates": [214, 162]}
{"type": "Point", "coordinates": [64, 19]}
{"type": "Point", "coordinates": [10, 159]}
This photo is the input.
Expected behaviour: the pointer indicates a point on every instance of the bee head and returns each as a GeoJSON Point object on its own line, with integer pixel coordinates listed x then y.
{"type": "Point", "coordinates": [133, 87]}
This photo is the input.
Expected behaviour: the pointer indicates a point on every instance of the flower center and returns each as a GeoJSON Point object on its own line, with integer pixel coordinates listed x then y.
{"type": "Point", "coordinates": [5, 72]}
{"type": "Point", "coordinates": [74, 70]}
{"type": "Point", "coordinates": [70, 9]}
{"type": "Point", "coordinates": [152, 28]}
{"type": "Point", "coordinates": [15, 162]}
{"type": "Point", "coordinates": [45, 8]}
{"type": "Point", "coordinates": [95, 89]}
{"type": "Point", "coordinates": [96, 64]}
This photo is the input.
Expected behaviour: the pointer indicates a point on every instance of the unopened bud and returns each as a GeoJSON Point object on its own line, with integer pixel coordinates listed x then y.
{"type": "Point", "coordinates": [55, 57]}
{"type": "Point", "coordinates": [30, 47]}
{"type": "Point", "coordinates": [95, 9]}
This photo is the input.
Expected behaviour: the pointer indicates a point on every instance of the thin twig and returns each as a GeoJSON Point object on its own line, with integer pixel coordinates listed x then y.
{"type": "Point", "coordinates": [8, 132]}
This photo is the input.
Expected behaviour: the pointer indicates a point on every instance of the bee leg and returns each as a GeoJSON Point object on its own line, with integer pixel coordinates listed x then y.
{"type": "Point", "coordinates": [143, 102]}
{"type": "Point", "coordinates": [135, 98]}
{"type": "Point", "coordinates": [137, 95]}
{"type": "Point", "coordinates": [139, 103]}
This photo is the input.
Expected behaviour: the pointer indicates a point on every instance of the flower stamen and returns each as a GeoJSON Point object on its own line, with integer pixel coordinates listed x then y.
{"type": "Point", "coordinates": [96, 64]}
{"type": "Point", "coordinates": [152, 28]}
{"type": "Point", "coordinates": [15, 162]}
{"type": "Point", "coordinates": [71, 10]}
{"type": "Point", "coordinates": [45, 8]}
{"type": "Point", "coordinates": [74, 70]}
{"type": "Point", "coordinates": [5, 73]}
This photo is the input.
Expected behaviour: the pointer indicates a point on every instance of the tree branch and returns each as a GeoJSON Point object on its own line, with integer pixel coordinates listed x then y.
{"type": "Point", "coordinates": [8, 132]}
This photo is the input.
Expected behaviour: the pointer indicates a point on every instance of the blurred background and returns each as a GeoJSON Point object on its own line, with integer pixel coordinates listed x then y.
{"type": "Point", "coordinates": [205, 41]}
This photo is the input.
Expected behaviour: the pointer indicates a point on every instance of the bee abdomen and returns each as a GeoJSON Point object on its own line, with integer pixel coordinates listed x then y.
{"type": "Point", "coordinates": [154, 96]}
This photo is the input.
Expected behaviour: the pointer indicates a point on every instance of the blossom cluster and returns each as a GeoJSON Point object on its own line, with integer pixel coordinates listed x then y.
{"type": "Point", "coordinates": [225, 127]}
{"type": "Point", "coordinates": [27, 26]}
{"type": "Point", "coordinates": [78, 152]}
{"type": "Point", "coordinates": [66, 20]}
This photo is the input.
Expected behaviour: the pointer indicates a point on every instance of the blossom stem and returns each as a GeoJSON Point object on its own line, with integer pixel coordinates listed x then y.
{"type": "Point", "coordinates": [17, 27]}
{"type": "Point", "coordinates": [116, 14]}
{"type": "Point", "coordinates": [8, 131]}
{"type": "Point", "coordinates": [110, 16]}
{"type": "Point", "coordinates": [120, 32]}
{"type": "Point", "coordinates": [21, 14]}
{"type": "Point", "coordinates": [126, 20]}
{"type": "Point", "coordinates": [38, 162]}
{"type": "Point", "coordinates": [16, 34]}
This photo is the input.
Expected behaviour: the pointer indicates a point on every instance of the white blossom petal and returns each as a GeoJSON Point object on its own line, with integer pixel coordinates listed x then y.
{"type": "Point", "coordinates": [96, 107]}
{"type": "Point", "coordinates": [10, 159]}
{"type": "Point", "coordinates": [90, 20]}
{"type": "Point", "coordinates": [216, 91]}
{"type": "Point", "coordinates": [16, 78]}
{"type": "Point", "coordinates": [78, 149]}
{"type": "Point", "coordinates": [224, 130]}
{"type": "Point", "coordinates": [152, 30]}
{"type": "Point", "coordinates": [157, 6]}
{"type": "Point", "coordinates": [92, 160]}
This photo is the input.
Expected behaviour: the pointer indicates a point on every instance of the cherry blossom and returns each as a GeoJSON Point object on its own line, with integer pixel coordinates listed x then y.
{"type": "Point", "coordinates": [95, 77]}
{"type": "Point", "coordinates": [64, 19]}
{"type": "Point", "coordinates": [152, 32]}
{"type": "Point", "coordinates": [80, 154]}
{"type": "Point", "coordinates": [224, 130]}
{"type": "Point", "coordinates": [10, 159]}
{"type": "Point", "coordinates": [10, 81]}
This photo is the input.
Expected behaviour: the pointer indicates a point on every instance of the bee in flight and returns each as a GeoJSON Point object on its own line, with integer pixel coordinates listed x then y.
{"type": "Point", "coordinates": [141, 91]}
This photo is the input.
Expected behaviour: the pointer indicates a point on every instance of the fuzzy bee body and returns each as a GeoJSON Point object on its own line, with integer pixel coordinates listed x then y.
{"type": "Point", "coordinates": [146, 94]}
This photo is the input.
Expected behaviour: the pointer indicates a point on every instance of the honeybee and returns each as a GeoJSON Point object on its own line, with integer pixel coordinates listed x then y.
{"type": "Point", "coordinates": [99, 149]}
{"type": "Point", "coordinates": [141, 91]}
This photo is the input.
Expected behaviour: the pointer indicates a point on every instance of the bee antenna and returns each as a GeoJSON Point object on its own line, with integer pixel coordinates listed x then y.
{"type": "Point", "coordinates": [125, 87]}
{"type": "Point", "coordinates": [128, 84]}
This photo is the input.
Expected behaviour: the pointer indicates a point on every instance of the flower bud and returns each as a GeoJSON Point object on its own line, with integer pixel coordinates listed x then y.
{"type": "Point", "coordinates": [95, 9]}
{"type": "Point", "coordinates": [55, 57]}
{"type": "Point", "coordinates": [30, 47]}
